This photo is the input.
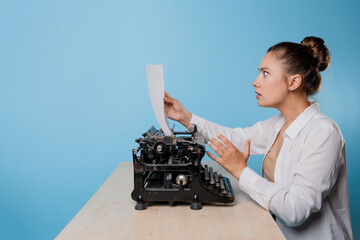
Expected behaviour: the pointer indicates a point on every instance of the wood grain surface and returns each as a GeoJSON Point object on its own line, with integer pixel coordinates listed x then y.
{"type": "Point", "coordinates": [110, 214]}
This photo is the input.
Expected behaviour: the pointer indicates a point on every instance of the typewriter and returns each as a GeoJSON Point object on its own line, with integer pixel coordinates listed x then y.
{"type": "Point", "coordinates": [168, 169]}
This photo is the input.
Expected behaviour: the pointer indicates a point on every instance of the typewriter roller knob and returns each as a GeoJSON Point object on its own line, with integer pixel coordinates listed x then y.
{"type": "Point", "coordinates": [160, 147]}
{"type": "Point", "coordinates": [181, 178]}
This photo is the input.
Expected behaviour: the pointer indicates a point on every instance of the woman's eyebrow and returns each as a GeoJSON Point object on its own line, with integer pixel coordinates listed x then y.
{"type": "Point", "coordinates": [263, 68]}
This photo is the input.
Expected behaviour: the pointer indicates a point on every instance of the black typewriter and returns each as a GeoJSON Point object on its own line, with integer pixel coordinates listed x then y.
{"type": "Point", "coordinates": [168, 169]}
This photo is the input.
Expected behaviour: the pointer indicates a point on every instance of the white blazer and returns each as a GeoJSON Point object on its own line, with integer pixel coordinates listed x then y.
{"type": "Point", "coordinates": [309, 194]}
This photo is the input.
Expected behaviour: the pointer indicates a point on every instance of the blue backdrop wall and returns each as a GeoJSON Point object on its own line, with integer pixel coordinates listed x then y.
{"type": "Point", "coordinates": [73, 90]}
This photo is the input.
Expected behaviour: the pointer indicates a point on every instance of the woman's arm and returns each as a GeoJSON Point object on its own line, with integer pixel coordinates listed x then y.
{"type": "Point", "coordinates": [315, 175]}
{"type": "Point", "coordinates": [258, 133]}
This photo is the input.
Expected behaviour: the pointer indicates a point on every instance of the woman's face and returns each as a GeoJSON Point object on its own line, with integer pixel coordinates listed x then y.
{"type": "Point", "coordinates": [271, 85]}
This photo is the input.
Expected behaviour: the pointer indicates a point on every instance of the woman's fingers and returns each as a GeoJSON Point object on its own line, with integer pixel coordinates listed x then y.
{"type": "Point", "coordinates": [229, 156]}
{"type": "Point", "coordinates": [167, 96]}
{"type": "Point", "coordinates": [176, 111]}
{"type": "Point", "coordinates": [219, 145]}
{"type": "Point", "coordinates": [246, 151]}
{"type": "Point", "coordinates": [213, 157]}
{"type": "Point", "coordinates": [226, 141]}
{"type": "Point", "coordinates": [216, 149]}
{"type": "Point", "coordinates": [169, 100]}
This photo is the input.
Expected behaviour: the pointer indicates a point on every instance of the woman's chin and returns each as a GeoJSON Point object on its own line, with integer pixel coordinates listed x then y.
{"type": "Point", "coordinates": [260, 103]}
{"type": "Point", "coordinates": [263, 104]}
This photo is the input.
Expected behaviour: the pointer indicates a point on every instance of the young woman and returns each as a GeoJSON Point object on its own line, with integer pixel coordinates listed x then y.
{"type": "Point", "coordinates": [304, 178]}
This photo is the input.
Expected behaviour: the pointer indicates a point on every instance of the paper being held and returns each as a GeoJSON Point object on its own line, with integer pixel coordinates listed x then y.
{"type": "Point", "coordinates": [155, 77]}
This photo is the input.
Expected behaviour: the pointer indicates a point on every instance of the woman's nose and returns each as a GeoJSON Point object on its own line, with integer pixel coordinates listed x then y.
{"type": "Point", "coordinates": [255, 83]}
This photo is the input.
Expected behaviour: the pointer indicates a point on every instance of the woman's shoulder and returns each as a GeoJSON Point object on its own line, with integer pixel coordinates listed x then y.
{"type": "Point", "coordinates": [322, 123]}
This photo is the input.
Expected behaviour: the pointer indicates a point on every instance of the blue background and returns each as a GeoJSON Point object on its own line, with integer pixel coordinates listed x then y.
{"type": "Point", "coordinates": [73, 90]}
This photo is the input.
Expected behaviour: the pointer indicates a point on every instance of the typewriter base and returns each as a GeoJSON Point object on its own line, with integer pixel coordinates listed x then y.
{"type": "Point", "coordinates": [140, 204]}
{"type": "Point", "coordinates": [201, 191]}
{"type": "Point", "coordinates": [195, 204]}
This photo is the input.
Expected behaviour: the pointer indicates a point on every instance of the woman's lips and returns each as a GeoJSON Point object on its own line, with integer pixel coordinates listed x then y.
{"type": "Point", "coordinates": [257, 95]}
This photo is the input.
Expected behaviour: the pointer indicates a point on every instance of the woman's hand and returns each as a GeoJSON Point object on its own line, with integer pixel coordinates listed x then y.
{"type": "Point", "coordinates": [176, 111]}
{"type": "Point", "coordinates": [229, 157]}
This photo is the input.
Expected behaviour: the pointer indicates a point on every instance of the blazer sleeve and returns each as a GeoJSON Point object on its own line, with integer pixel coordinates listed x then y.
{"type": "Point", "coordinates": [258, 133]}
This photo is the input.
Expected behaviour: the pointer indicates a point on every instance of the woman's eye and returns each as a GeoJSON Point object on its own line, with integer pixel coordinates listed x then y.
{"type": "Point", "coordinates": [265, 73]}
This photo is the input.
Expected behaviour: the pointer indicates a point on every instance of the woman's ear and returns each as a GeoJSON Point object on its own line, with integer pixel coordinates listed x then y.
{"type": "Point", "coordinates": [294, 82]}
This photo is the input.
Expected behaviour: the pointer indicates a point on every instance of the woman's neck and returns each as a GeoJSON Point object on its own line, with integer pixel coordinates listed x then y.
{"type": "Point", "coordinates": [292, 109]}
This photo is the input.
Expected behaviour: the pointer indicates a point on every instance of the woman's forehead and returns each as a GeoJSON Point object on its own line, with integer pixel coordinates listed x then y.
{"type": "Point", "coordinates": [269, 62]}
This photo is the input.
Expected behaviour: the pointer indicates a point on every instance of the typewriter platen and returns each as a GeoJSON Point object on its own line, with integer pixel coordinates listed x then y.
{"type": "Point", "coordinates": [169, 169]}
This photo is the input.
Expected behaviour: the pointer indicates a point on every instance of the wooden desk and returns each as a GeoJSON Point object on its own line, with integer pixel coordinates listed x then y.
{"type": "Point", "coordinates": [110, 214]}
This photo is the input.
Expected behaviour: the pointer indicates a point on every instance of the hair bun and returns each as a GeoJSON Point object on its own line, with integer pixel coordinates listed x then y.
{"type": "Point", "coordinates": [319, 51]}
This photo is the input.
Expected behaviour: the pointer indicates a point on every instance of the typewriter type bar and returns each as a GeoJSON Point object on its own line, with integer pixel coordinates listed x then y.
{"type": "Point", "coordinates": [169, 169]}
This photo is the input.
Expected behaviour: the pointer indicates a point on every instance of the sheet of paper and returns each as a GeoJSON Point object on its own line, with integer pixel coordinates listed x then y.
{"type": "Point", "coordinates": [155, 77]}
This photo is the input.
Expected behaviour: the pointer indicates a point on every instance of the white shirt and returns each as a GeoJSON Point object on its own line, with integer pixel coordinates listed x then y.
{"type": "Point", "coordinates": [309, 194]}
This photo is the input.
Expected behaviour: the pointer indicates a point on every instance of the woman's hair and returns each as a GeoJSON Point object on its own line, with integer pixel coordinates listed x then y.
{"type": "Point", "coordinates": [307, 59]}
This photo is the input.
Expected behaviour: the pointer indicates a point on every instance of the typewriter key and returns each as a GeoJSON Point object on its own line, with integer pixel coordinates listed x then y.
{"type": "Point", "coordinates": [217, 180]}
{"type": "Point", "coordinates": [212, 178]}
{"type": "Point", "coordinates": [206, 173]}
